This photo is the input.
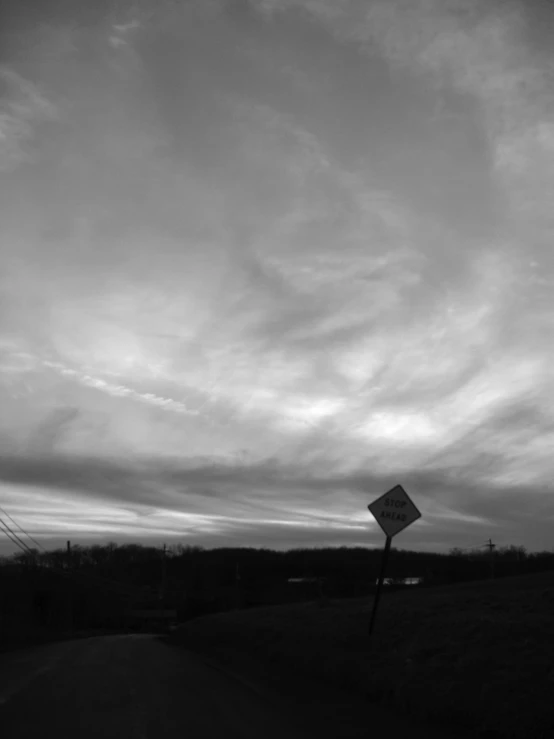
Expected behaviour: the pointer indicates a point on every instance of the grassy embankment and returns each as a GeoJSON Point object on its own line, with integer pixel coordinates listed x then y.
{"type": "Point", "coordinates": [477, 655]}
{"type": "Point", "coordinates": [39, 638]}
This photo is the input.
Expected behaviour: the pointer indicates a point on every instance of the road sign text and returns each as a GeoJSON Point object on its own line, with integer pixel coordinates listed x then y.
{"type": "Point", "coordinates": [393, 515]}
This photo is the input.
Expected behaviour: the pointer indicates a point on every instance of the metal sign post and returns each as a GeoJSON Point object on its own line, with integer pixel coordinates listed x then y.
{"type": "Point", "coordinates": [384, 559]}
{"type": "Point", "coordinates": [393, 511]}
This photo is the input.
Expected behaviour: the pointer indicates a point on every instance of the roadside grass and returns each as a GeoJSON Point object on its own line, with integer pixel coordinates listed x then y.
{"type": "Point", "coordinates": [38, 638]}
{"type": "Point", "coordinates": [476, 656]}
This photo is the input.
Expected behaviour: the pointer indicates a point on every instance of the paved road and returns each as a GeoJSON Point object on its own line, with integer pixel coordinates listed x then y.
{"type": "Point", "coordinates": [138, 687]}
{"type": "Point", "coordinates": [130, 686]}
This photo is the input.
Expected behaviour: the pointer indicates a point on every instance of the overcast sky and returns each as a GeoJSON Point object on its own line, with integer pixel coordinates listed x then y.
{"type": "Point", "coordinates": [261, 261]}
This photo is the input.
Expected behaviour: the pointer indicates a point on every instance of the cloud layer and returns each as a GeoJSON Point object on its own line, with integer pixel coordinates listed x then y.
{"type": "Point", "coordinates": [260, 262]}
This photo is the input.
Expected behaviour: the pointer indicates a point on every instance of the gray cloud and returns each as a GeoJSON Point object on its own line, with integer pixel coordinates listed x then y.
{"type": "Point", "coordinates": [124, 480]}
{"type": "Point", "coordinates": [266, 490]}
{"type": "Point", "coordinates": [22, 108]}
{"type": "Point", "coordinates": [50, 429]}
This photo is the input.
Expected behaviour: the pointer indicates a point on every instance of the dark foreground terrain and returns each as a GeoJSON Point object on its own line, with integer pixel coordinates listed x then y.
{"type": "Point", "coordinates": [137, 686]}
{"type": "Point", "coordinates": [473, 660]}
{"type": "Point", "coordinates": [129, 686]}
{"type": "Point", "coordinates": [475, 657]}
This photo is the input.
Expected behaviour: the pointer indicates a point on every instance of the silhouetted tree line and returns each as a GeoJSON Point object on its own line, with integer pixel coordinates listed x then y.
{"type": "Point", "coordinates": [97, 587]}
{"type": "Point", "coordinates": [37, 603]}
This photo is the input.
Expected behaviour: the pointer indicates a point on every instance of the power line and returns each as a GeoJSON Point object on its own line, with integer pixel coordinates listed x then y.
{"type": "Point", "coordinates": [97, 580]}
{"type": "Point", "coordinates": [22, 530]}
{"type": "Point", "coordinates": [10, 537]}
{"type": "Point", "coordinates": [21, 544]}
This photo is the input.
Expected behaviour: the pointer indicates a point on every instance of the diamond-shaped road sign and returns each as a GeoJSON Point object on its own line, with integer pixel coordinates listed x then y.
{"type": "Point", "coordinates": [394, 510]}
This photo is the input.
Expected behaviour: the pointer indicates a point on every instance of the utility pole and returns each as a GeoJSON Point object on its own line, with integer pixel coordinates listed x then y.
{"type": "Point", "coordinates": [164, 578]}
{"type": "Point", "coordinates": [491, 547]}
{"type": "Point", "coordinates": [70, 586]}
{"type": "Point", "coordinates": [237, 585]}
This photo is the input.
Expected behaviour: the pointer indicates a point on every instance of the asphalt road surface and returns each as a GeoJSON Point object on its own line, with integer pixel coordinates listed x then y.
{"type": "Point", "coordinates": [130, 686]}
{"type": "Point", "coordinates": [138, 687]}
